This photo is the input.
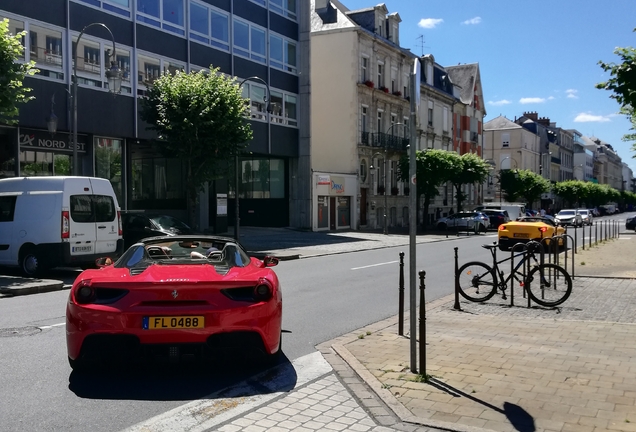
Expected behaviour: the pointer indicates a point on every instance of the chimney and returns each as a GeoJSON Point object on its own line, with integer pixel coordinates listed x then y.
{"type": "Point", "coordinates": [532, 115]}
{"type": "Point", "coordinates": [326, 11]}
{"type": "Point", "coordinates": [545, 121]}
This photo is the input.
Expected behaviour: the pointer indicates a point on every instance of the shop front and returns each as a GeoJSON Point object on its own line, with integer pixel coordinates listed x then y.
{"type": "Point", "coordinates": [334, 201]}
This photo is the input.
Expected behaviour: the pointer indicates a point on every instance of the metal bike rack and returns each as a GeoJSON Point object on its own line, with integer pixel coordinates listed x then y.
{"type": "Point", "coordinates": [554, 251]}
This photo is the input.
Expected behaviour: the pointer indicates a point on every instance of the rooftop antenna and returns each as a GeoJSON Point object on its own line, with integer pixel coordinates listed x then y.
{"type": "Point", "coordinates": [421, 44]}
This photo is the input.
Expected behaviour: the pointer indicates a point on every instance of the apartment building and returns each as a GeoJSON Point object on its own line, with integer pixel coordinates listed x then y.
{"type": "Point", "coordinates": [244, 38]}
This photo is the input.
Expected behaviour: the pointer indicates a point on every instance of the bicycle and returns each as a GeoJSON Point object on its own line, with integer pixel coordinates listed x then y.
{"type": "Point", "coordinates": [547, 284]}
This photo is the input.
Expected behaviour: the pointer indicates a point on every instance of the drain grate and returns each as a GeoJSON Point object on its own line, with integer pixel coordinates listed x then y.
{"type": "Point", "coordinates": [19, 331]}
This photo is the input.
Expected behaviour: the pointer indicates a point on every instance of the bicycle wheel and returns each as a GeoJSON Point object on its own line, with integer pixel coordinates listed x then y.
{"type": "Point", "coordinates": [476, 281]}
{"type": "Point", "coordinates": [549, 285]}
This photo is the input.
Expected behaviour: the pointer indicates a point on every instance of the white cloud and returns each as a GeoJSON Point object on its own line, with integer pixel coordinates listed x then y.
{"type": "Point", "coordinates": [475, 20]}
{"type": "Point", "coordinates": [531, 100]}
{"type": "Point", "coordinates": [551, 98]}
{"type": "Point", "coordinates": [571, 93]}
{"type": "Point", "coordinates": [499, 102]}
{"type": "Point", "coordinates": [430, 23]}
{"type": "Point", "coordinates": [587, 118]}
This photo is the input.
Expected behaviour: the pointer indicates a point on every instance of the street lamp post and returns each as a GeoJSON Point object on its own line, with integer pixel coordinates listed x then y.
{"type": "Point", "coordinates": [267, 99]}
{"type": "Point", "coordinates": [113, 74]}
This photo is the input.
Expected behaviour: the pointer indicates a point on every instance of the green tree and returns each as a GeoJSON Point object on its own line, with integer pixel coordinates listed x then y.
{"type": "Point", "coordinates": [572, 191]}
{"type": "Point", "coordinates": [12, 74]}
{"type": "Point", "coordinates": [433, 169]}
{"type": "Point", "coordinates": [524, 184]}
{"type": "Point", "coordinates": [623, 85]}
{"type": "Point", "coordinates": [200, 118]}
{"type": "Point", "coordinates": [468, 168]}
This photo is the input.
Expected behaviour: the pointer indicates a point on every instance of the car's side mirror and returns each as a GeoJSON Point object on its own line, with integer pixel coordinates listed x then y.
{"type": "Point", "coordinates": [103, 262]}
{"type": "Point", "coordinates": [270, 261]}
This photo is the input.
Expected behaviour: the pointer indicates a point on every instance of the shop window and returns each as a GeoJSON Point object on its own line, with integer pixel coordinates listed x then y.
{"type": "Point", "coordinates": [157, 179]}
{"type": "Point", "coordinates": [344, 212]}
{"type": "Point", "coordinates": [108, 163]}
{"type": "Point", "coordinates": [259, 178]}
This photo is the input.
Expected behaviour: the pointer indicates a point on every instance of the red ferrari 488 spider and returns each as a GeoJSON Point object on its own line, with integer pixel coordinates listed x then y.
{"type": "Point", "coordinates": [172, 298]}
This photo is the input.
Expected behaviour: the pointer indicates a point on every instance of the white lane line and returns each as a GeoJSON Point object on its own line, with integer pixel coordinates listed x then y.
{"type": "Point", "coordinates": [374, 265]}
{"type": "Point", "coordinates": [51, 326]}
{"type": "Point", "coordinates": [218, 407]}
{"type": "Point", "coordinates": [624, 238]}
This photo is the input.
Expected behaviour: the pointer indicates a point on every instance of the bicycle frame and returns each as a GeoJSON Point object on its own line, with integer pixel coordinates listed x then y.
{"type": "Point", "coordinates": [525, 255]}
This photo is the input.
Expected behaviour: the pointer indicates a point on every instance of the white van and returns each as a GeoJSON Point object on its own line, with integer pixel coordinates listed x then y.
{"type": "Point", "coordinates": [515, 210]}
{"type": "Point", "coordinates": [47, 222]}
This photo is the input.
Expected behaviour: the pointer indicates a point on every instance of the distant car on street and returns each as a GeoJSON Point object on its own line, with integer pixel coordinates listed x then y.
{"type": "Point", "coordinates": [587, 216]}
{"type": "Point", "coordinates": [138, 226]}
{"type": "Point", "coordinates": [630, 223]}
{"type": "Point", "coordinates": [465, 220]}
{"type": "Point", "coordinates": [569, 217]}
{"type": "Point", "coordinates": [496, 217]}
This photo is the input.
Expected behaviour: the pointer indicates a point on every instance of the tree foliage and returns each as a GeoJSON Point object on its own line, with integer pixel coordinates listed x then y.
{"type": "Point", "coordinates": [12, 74]}
{"type": "Point", "coordinates": [468, 168]}
{"type": "Point", "coordinates": [577, 192]}
{"type": "Point", "coordinates": [572, 191]}
{"type": "Point", "coordinates": [433, 168]}
{"type": "Point", "coordinates": [200, 118]}
{"type": "Point", "coordinates": [524, 184]}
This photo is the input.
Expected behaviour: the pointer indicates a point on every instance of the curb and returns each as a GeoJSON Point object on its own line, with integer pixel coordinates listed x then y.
{"type": "Point", "coordinates": [35, 288]}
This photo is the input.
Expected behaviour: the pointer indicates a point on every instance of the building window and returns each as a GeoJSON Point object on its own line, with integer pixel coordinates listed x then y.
{"type": "Point", "coordinates": [394, 83]}
{"type": "Point", "coordinates": [379, 122]}
{"type": "Point", "coordinates": [249, 41]}
{"type": "Point", "coordinates": [363, 119]}
{"type": "Point", "coordinates": [445, 119]}
{"type": "Point", "coordinates": [284, 7]}
{"type": "Point", "coordinates": [505, 140]}
{"type": "Point", "coordinates": [149, 69]}
{"type": "Point", "coordinates": [284, 110]}
{"type": "Point", "coordinates": [121, 7]}
{"type": "Point", "coordinates": [157, 179]}
{"type": "Point", "coordinates": [259, 178]}
{"type": "Point", "coordinates": [107, 154]}
{"type": "Point", "coordinates": [363, 170]}
{"type": "Point", "coordinates": [364, 69]}
{"type": "Point", "coordinates": [166, 14]}
{"type": "Point", "coordinates": [380, 75]}
{"type": "Point", "coordinates": [282, 53]}
{"type": "Point", "coordinates": [45, 48]}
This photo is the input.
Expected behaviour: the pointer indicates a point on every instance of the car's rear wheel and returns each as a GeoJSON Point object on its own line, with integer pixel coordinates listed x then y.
{"type": "Point", "coordinates": [30, 262]}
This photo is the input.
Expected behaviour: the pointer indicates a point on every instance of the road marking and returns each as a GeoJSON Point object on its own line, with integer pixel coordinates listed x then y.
{"type": "Point", "coordinates": [624, 238]}
{"type": "Point", "coordinates": [51, 326]}
{"type": "Point", "coordinates": [374, 265]}
{"type": "Point", "coordinates": [221, 406]}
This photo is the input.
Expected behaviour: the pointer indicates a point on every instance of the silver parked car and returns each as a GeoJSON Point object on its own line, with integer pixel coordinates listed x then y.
{"type": "Point", "coordinates": [464, 221]}
{"type": "Point", "coordinates": [587, 216]}
{"type": "Point", "coordinates": [569, 217]}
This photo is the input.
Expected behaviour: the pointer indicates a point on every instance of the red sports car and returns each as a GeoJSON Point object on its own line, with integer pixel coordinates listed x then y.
{"type": "Point", "coordinates": [173, 298]}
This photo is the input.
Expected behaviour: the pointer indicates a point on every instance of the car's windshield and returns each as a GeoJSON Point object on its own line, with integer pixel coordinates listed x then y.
{"type": "Point", "coordinates": [566, 213]}
{"type": "Point", "coordinates": [168, 222]}
{"type": "Point", "coordinates": [222, 255]}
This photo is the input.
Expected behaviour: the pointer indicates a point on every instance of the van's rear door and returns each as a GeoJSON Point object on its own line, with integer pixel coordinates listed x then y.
{"type": "Point", "coordinates": [105, 208]}
{"type": "Point", "coordinates": [82, 233]}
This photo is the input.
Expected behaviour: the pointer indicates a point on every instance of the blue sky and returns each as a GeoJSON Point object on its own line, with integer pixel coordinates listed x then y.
{"type": "Point", "coordinates": [535, 56]}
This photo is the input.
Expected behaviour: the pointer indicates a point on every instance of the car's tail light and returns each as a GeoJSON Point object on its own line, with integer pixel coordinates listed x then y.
{"type": "Point", "coordinates": [502, 227]}
{"type": "Point", "coordinates": [262, 292]}
{"type": "Point", "coordinates": [84, 293]}
{"type": "Point", "coordinates": [543, 229]}
{"type": "Point", "coordinates": [119, 229]}
{"type": "Point", "coordinates": [66, 225]}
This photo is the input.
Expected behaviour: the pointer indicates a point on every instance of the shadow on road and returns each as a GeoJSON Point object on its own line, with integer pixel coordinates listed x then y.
{"type": "Point", "coordinates": [183, 382]}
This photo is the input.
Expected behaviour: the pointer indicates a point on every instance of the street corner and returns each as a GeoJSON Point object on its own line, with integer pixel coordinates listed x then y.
{"type": "Point", "coordinates": [16, 286]}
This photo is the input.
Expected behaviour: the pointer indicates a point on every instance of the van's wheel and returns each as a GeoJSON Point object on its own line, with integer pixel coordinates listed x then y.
{"type": "Point", "coordinates": [31, 262]}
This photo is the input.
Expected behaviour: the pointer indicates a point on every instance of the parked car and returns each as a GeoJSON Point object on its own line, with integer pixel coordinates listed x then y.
{"type": "Point", "coordinates": [586, 216]}
{"type": "Point", "coordinates": [630, 223]}
{"type": "Point", "coordinates": [48, 222]}
{"type": "Point", "coordinates": [138, 226]}
{"type": "Point", "coordinates": [526, 229]}
{"type": "Point", "coordinates": [175, 297]}
{"type": "Point", "coordinates": [569, 217]}
{"type": "Point", "coordinates": [496, 217]}
{"type": "Point", "coordinates": [515, 210]}
{"type": "Point", "coordinates": [464, 220]}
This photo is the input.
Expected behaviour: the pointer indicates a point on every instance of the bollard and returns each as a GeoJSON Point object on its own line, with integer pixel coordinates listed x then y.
{"type": "Point", "coordinates": [422, 325]}
{"type": "Point", "coordinates": [401, 297]}
{"type": "Point", "coordinates": [595, 232]}
{"type": "Point", "coordinates": [589, 239]}
{"type": "Point", "coordinates": [576, 238]}
{"type": "Point", "coordinates": [457, 306]}
{"type": "Point", "coordinates": [618, 230]}
{"type": "Point", "coordinates": [606, 230]}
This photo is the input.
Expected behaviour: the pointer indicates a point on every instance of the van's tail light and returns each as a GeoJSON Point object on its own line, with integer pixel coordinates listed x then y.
{"type": "Point", "coordinates": [119, 230]}
{"type": "Point", "coordinates": [66, 225]}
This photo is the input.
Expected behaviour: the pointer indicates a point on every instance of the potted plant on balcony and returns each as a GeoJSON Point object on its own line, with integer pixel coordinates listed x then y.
{"type": "Point", "coordinates": [381, 190]}
{"type": "Point", "coordinates": [384, 89]}
{"type": "Point", "coordinates": [369, 83]}
{"type": "Point", "coordinates": [394, 190]}
{"type": "Point", "coordinates": [397, 93]}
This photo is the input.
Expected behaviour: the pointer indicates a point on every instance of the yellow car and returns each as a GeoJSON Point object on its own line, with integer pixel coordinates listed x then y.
{"type": "Point", "coordinates": [528, 228]}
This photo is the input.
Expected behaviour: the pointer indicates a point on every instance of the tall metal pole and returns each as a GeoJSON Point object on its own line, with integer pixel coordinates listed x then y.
{"type": "Point", "coordinates": [267, 100]}
{"type": "Point", "coordinates": [75, 168]}
{"type": "Point", "coordinates": [414, 107]}
{"type": "Point", "coordinates": [386, 189]}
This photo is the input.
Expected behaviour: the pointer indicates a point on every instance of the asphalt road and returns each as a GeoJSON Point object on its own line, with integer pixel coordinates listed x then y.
{"type": "Point", "coordinates": [324, 297]}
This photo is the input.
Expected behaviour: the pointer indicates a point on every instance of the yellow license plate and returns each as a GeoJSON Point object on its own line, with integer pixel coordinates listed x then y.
{"type": "Point", "coordinates": [521, 235]}
{"type": "Point", "coordinates": [173, 322]}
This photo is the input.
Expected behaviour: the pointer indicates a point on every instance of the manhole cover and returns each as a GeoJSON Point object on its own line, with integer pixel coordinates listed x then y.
{"type": "Point", "coordinates": [19, 331]}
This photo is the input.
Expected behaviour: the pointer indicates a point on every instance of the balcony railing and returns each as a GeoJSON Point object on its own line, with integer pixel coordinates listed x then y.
{"type": "Point", "coordinates": [555, 160]}
{"type": "Point", "coordinates": [382, 140]}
